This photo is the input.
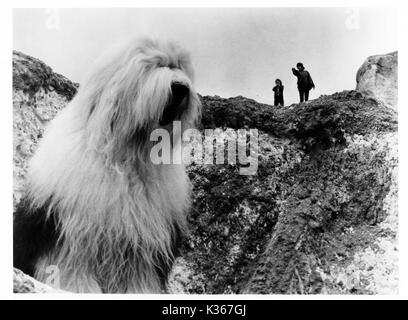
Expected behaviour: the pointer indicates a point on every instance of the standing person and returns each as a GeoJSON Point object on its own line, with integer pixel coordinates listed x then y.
{"type": "Point", "coordinates": [278, 90]}
{"type": "Point", "coordinates": [304, 83]}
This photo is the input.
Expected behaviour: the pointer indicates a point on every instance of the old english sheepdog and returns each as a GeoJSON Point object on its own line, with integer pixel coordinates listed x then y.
{"type": "Point", "coordinates": [97, 209]}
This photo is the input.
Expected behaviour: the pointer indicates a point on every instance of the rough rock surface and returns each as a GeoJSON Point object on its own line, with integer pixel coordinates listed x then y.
{"type": "Point", "coordinates": [319, 217]}
{"type": "Point", "coordinates": [38, 94]}
{"type": "Point", "coordinates": [23, 283]}
{"type": "Point", "coordinates": [378, 78]}
{"type": "Point", "coordinates": [31, 75]}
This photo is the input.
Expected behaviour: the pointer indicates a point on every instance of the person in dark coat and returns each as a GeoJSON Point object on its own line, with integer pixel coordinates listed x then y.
{"type": "Point", "coordinates": [304, 83]}
{"type": "Point", "coordinates": [278, 90]}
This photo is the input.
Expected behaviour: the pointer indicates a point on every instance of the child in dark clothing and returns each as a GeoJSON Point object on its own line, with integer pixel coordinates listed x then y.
{"type": "Point", "coordinates": [278, 90]}
{"type": "Point", "coordinates": [304, 83]}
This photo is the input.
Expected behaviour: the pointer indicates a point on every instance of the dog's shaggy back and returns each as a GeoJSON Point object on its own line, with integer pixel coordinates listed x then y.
{"type": "Point", "coordinates": [115, 216]}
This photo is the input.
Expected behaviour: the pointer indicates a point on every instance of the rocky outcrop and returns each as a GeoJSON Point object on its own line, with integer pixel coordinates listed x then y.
{"type": "Point", "coordinates": [31, 75]}
{"type": "Point", "coordinates": [23, 283]}
{"type": "Point", "coordinates": [378, 78]}
{"type": "Point", "coordinates": [320, 215]}
{"type": "Point", "coordinates": [38, 94]}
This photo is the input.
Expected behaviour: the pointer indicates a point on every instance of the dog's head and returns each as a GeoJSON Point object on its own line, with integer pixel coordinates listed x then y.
{"type": "Point", "coordinates": [147, 85]}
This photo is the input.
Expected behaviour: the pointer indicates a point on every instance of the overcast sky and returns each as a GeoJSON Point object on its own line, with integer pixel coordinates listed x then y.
{"type": "Point", "coordinates": [234, 51]}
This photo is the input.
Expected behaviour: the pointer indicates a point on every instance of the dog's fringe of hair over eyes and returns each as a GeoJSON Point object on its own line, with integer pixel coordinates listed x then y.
{"type": "Point", "coordinates": [117, 212]}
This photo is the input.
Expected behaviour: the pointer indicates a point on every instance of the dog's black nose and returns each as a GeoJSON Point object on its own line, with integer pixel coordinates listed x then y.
{"type": "Point", "coordinates": [179, 91]}
{"type": "Point", "coordinates": [177, 104]}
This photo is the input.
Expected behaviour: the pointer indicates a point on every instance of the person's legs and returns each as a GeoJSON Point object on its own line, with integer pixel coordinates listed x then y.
{"type": "Point", "coordinates": [276, 101]}
{"type": "Point", "coordinates": [301, 95]}
{"type": "Point", "coordinates": [306, 95]}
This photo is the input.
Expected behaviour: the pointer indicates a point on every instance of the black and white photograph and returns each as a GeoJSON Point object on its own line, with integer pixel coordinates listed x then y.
{"type": "Point", "coordinates": [205, 151]}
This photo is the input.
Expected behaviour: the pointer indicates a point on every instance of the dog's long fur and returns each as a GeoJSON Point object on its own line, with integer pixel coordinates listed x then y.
{"type": "Point", "coordinates": [96, 206]}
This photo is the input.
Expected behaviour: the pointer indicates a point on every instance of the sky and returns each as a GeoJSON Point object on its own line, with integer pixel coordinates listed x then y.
{"type": "Point", "coordinates": [235, 51]}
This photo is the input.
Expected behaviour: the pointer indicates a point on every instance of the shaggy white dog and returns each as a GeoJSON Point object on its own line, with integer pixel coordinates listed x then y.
{"type": "Point", "coordinates": [97, 208]}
